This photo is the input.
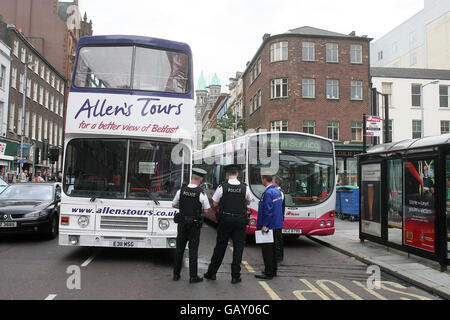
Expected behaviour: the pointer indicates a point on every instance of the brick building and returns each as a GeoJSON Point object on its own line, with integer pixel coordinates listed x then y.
{"type": "Point", "coordinates": [45, 101]}
{"type": "Point", "coordinates": [310, 80]}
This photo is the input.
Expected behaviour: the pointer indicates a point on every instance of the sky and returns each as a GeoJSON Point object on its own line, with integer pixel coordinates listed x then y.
{"type": "Point", "coordinates": [225, 35]}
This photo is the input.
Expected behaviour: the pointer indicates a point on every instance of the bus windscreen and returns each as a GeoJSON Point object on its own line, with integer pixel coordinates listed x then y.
{"type": "Point", "coordinates": [132, 68]}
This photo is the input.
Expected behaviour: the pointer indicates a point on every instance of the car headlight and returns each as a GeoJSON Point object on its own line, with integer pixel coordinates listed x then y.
{"type": "Point", "coordinates": [36, 214]}
{"type": "Point", "coordinates": [164, 224]}
{"type": "Point", "coordinates": [83, 221]}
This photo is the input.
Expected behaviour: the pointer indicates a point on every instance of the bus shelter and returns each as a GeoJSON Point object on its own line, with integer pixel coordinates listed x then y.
{"type": "Point", "coordinates": [405, 196]}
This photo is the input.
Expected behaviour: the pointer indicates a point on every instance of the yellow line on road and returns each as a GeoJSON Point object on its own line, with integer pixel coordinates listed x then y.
{"type": "Point", "coordinates": [269, 290]}
{"type": "Point", "coordinates": [249, 267]}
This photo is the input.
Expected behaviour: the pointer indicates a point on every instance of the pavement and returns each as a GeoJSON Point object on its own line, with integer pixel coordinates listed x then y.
{"type": "Point", "coordinates": [418, 271]}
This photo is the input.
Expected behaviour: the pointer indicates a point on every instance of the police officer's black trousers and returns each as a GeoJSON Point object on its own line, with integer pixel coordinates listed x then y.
{"type": "Point", "coordinates": [269, 253]}
{"type": "Point", "coordinates": [229, 227]}
{"type": "Point", "coordinates": [187, 232]}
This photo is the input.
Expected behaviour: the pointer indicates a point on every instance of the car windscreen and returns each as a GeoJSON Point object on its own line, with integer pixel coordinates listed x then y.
{"type": "Point", "coordinates": [27, 192]}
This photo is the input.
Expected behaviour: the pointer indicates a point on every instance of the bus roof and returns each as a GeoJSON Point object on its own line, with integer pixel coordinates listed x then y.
{"type": "Point", "coordinates": [134, 40]}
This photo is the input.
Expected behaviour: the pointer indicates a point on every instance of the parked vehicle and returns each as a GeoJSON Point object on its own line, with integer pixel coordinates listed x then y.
{"type": "Point", "coordinates": [3, 185]}
{"type": "Point", "coordinates": [30, 208]}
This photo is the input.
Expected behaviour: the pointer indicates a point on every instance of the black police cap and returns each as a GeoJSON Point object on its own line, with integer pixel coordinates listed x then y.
{"type": "Point", "coordinates": [232, 168]}
{"type": "Point", "coordinates": [199, 172]}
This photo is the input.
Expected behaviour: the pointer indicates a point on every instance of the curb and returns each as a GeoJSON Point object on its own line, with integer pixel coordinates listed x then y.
{"type": "Point", "coordinates": [387, 269]}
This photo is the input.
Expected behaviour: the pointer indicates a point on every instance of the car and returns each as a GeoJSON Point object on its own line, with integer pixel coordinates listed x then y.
{"type": "Point", "coordinates": [3, 185]}
{"type": "Point", "coordinates": [30, 208]}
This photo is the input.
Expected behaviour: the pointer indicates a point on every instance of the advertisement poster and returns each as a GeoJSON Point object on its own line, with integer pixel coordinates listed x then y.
{"type": "Point", "coordinates": [420, 211]}
{"type": "Point", "coordinates": [130, 115]}
{"type": "Point", "coordinates": [371, 199]}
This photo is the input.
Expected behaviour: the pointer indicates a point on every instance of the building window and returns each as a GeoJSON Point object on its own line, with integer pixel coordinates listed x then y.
{"type": "Point", "coordinates": [27, 124]}
{"type": "Point", "coordinates": [356, 90]}
{"type": "Point", "coordinates": [39, 129]}
{"type": "Point", "coordinates": [332, 52]}
{"type": "Point", "coordinates": [279, 126]}
{"type": "Point", "coordinates": [35, 92]}
{"type": "Point", "coordinates": [2, 77]}
{"type": "Point", "coordinates": [445, 126]}
{"type": "Point", "coordinates": [387, 89]}
{"type": "Point", "coordinates": [380, 55]}
{"type": "Point", "coordinates": [23, 55]}
{"type": "Point", "coordinates": [332, 89]}
{"type": "Point", "coordinates": [41, 96]}
{"type": "Point", "coordinates": [413, 59]}
{"type": "Point", "coordinates": [36, 67]}
{"type": "Point", "coordinates": [416, 129]}
{"type": "Point", "coordinates": [12, 111]}
{"type": "Point", "coordinates": [357, 131]}
{"type": "Point", "coordinates": [16, 48]}
{"type": "Point", "coordinates": [14, 78]}
{"type": "Point", "coordinates": [308, 88]}
{"type": "Point", "coordinates": [259, 67]}
{"type": "Point", "coordinates": [30, 59]}
{"type": "Point", "coordinates": [356, 53]}
{"type": "Point", "coordinates": [333, 130]}
{"type": "Point", "coordinates": [443, 96]}
{"type": "Point", "coordinates": [21, 81]}
{"type": "Point", "coordinates": [309, 127]}
{"type": "Point", "coordinates": [279, 51]}
{"type": "Point", "coordinates": [416, 93]}
{"type": "Point", "coordinates": [33, 127]}
{"type": "Point", "coordinates": [29, 88]}
{"type": "Point", "coordinates": [279, 88]}
{"type": "Point", "coordinates": [308, 52]}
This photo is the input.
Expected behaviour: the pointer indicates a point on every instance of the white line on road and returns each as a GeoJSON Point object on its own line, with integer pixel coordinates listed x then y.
{"type": "Point", "coordinates": [86, 263]}
{"type": "Point", "coordinates": [51, 297]}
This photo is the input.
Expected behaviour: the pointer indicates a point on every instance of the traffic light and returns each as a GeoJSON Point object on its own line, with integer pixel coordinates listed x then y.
{"type": "Point", "coordinates": [45, 150]}
{"type": "Point", "coordinates": [53, 154]}
{"type": "Point", "coordinates": [36, 155]}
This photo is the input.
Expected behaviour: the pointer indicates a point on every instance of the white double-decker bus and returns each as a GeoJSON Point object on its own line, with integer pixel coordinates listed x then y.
{"type": "Point", "coordinates": [129, 127]}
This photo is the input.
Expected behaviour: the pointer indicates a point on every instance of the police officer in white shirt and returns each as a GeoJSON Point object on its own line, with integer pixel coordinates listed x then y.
{"type": "Point", "coordinates": [192, 201]}
{"type": "Point", "coordinates": [232, 198]}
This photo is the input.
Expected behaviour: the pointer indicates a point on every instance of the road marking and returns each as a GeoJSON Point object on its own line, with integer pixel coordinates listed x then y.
{"type": "Point", "coordinates": [86, 263]}
{"type": "Point", "coordinates": [249, 267]}
{"type": "Point", "coordinates": [372, 292]}
{"type": "Point", "coordinates": [321, 283]}
{"type": "Point", "coordinates": [51, 297]}
{"type": "Point", "coordinates": [312, 289]}
{"type": "Point", "coordinates": [269, 290]}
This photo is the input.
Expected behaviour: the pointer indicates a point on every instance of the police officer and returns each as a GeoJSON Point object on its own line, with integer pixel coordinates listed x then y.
{"type": "Point", "coordinates": [232, 198]}
{"type": "Point", "coordinates": [191, 201]}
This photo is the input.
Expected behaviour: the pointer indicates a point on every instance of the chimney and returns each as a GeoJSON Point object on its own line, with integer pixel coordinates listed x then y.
{"type": "Point", "coordinates": [265, 36]}
{"type": "Point", "coordinates": [353, 34]}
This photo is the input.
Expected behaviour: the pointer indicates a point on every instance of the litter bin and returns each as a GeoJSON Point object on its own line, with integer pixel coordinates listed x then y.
{"type": "Point", "coordinates": [347, 200]}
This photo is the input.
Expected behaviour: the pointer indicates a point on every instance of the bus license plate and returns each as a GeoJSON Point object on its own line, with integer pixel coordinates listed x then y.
{"type": "Point", "coordinates": [123, 244]}
{"type": "Point", "coordinates": [8, 224]}
{"type": "Point", "coordinates": [292, 231]}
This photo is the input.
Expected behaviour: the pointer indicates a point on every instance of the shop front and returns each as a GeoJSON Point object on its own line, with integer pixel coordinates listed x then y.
{"type": "Point", "coordinates": [405, 196]}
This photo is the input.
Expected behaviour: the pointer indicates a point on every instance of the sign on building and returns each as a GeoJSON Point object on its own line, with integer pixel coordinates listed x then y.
{"type": "Point", "coordinates": [373, 126]}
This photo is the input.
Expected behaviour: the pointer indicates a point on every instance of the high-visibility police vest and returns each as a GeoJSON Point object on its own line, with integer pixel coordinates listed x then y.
{"type": "Point", "coordinates": [233, 198]}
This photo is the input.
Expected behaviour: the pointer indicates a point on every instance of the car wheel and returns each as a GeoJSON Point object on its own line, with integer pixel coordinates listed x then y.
{"type": "Point", "coordinates": [53, 228]}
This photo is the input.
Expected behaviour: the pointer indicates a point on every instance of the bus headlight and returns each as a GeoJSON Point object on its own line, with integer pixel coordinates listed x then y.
{"type": "Point", "coordinates": [322, 223]}
{"type": "Point", "coordinates": [329, 223]}
{"type": "Point", "coordinates": [83, 221]}
{"type": "Point", "coordinates": [164, 224]}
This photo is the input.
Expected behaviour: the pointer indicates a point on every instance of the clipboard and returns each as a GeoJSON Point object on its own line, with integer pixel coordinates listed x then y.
{"type": "Point", "coordinates": [261, 237]}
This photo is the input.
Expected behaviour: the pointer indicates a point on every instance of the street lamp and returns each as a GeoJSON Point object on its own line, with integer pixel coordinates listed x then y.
{"type": "Point", "coordinates": [422, 126]}
{"type": "Point", "coordinates": [26, 64]}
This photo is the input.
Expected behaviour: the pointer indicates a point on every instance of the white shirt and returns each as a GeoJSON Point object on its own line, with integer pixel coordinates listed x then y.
{"type": "Point", "coordinates": [203, 198]}
{"type": "Point", "coordinates": [219, 192]}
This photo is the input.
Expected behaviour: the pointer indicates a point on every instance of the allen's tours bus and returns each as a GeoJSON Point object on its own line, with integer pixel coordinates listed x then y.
{"type": "Point", "coordinates": [306, 164]}
{"type": "Point", "coordinates": [128, 139]}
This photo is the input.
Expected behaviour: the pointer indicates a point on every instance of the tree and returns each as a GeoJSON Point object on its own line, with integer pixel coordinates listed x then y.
{"type": "Point", "coordinates": [227, 126]}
